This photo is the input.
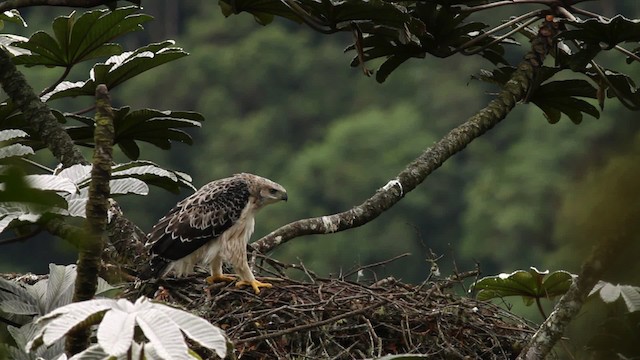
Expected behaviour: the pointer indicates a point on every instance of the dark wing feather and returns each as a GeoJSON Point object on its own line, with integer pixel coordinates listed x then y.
{"type": "Point", "coordinates": [196, 220]}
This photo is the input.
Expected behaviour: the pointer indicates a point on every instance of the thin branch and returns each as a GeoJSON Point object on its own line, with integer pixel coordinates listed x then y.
{"type": "Point", "coordinates": [500, 38]}
{"type": "Point", "coordinates": [468, 44]}
{"type": "Point", "coordinates": [37, 165]}
{"type": "Point", "coordinates": [369, 266]}
{"type": "Point", "coordinates": [416, 172]}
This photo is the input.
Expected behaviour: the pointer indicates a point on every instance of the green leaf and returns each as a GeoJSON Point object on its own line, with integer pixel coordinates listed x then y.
{"type": "Point", "coordinates": [118, 69]}
{"type": "Point", "coordinates": [560, 96]}
{"type": "Point", "coordinates": [605, 33]}
{"type": "Point", "coordinates": [80, 38]}
{"type": "Point", "coordinates": [620, 86]}
{"type": "Point", "coordinates": [160, 128]}
{"type": "Point", "coordinates": [152, 174]}
{"type": "Point", "coordinates": [530, 285]}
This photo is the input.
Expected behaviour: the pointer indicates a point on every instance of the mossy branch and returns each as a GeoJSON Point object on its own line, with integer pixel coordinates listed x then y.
{"type": "Point", "coordinates": [89, 257]}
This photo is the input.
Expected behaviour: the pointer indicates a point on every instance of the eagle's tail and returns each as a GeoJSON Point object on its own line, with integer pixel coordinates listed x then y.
{"type": "Point", "coordinates": [155, 268]}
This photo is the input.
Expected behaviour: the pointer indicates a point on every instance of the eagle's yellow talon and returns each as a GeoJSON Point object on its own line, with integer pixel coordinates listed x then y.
{"type": "Point", "coordinates": [220, 278]}
{"type": "Point", "coordinates": [255, 284]}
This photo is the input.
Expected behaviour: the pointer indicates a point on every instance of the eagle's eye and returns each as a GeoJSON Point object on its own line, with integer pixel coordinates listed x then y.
{"type": "Point", "coordinates": [273, 191]}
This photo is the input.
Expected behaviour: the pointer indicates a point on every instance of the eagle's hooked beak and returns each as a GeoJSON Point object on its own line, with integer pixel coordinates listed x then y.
{"type": "Point", "coordinates": [284, 197]}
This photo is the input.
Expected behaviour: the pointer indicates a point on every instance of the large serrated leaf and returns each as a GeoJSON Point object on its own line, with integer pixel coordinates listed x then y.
{"type": "Point", "coordinates": [163, 333]}
{"type": "Point", "coordinates": [152, 174]}
{"type": "Point", "coordinates": [51, 182]}
{"type": "Point", "coordinates": [83, 37]}
{"type": "Point", "coordinates": [11, 134]}
{"type": "Point", "coordinates": [605, 33]}
{"type": "Point", "coordinates": [18, 307]}
{"type": "Point", "coordinates": [118, 69]}
{"type": "Point", "coordinates": [59, 286]}
{"type": "Point", "coordinates": [15, 150]}
{"type": "Point", "coordinates": [116, 331]}
{"type": "Point", "coordinates": [610, 293]}
{"type": "Point", "coordinates": [197, 329]}
{"type": "Point", "coordinates": [128, 186]}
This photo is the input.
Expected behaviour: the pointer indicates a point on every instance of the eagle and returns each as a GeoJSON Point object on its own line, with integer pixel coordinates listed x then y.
{"type": "Point", "coordinates": [212, 226]}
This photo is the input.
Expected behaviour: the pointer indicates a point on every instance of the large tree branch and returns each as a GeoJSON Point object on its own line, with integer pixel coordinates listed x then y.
{"type": "Point", "coordinates": [6, 5]}
{"type": "Point", "coordinates": [416, 172]}
{"type": "Point", "coordinates": [37, 114]}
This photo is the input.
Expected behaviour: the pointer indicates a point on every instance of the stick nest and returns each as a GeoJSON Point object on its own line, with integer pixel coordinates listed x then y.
{"type": "Point", "coordinates": [334, 318]}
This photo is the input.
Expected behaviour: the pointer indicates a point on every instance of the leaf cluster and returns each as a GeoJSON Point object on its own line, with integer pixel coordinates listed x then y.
{"type": "Point", "coordinates": [27, 198]}
{"type": "Point", "coordinates": [23, 304]}
{"type": "Point", "coordinates": [396, 31]}
{"type": "Point", "coordinates": [80, 37]}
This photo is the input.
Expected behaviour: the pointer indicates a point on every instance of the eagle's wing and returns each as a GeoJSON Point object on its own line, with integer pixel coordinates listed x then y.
{"type": "Point", "coordinates": [192, 223]}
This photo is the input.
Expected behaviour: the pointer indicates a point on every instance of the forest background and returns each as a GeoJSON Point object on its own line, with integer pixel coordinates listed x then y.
{"type": "Point", "coordinates": [282, 102]}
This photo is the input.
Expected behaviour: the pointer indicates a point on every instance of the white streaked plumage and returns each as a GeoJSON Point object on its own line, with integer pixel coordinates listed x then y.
{"type": "Point", "coordinates": [212, 226]}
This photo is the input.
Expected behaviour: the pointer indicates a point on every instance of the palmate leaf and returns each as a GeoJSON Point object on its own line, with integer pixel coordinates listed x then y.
{"type": "Point", "coordinates": [605, 33]}
{"type": "Point", "coordinates": [443, 31]}
{"type": "Point", "coordinates": [80, 38]}
{"type": "Point", "coordinates": [156, 127]}
{"type": "Point", "coordinates": [127, 178]}
{"type": "Point", "coordinates": [118, 69]}
{"type": "Point", "coordinates": [161, 325]}
{"type": "Point", "coordinates": [530, 285]}
{"type": "Point", "coordinates": [561, 96]}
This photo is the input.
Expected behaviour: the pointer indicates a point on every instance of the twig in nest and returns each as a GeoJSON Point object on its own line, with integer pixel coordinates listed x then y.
{"type": "Point", "coordinates": [312, 325]}
{"type": "Point", "coordinates": [364, 267]}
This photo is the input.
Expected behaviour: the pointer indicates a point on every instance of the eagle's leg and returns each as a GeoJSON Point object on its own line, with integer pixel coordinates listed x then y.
{"type": "Point", "coordinates": [239, 262]}
{"type": "Point", "coordinates": [216, 272]}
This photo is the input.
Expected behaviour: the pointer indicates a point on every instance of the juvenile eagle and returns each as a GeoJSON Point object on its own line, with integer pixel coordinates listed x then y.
{"type": "Point", "coordinates": [212, 226]}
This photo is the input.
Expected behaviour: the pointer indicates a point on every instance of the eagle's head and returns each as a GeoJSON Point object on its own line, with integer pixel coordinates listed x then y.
{"type": "Point", "coordinates": [264, 190]}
